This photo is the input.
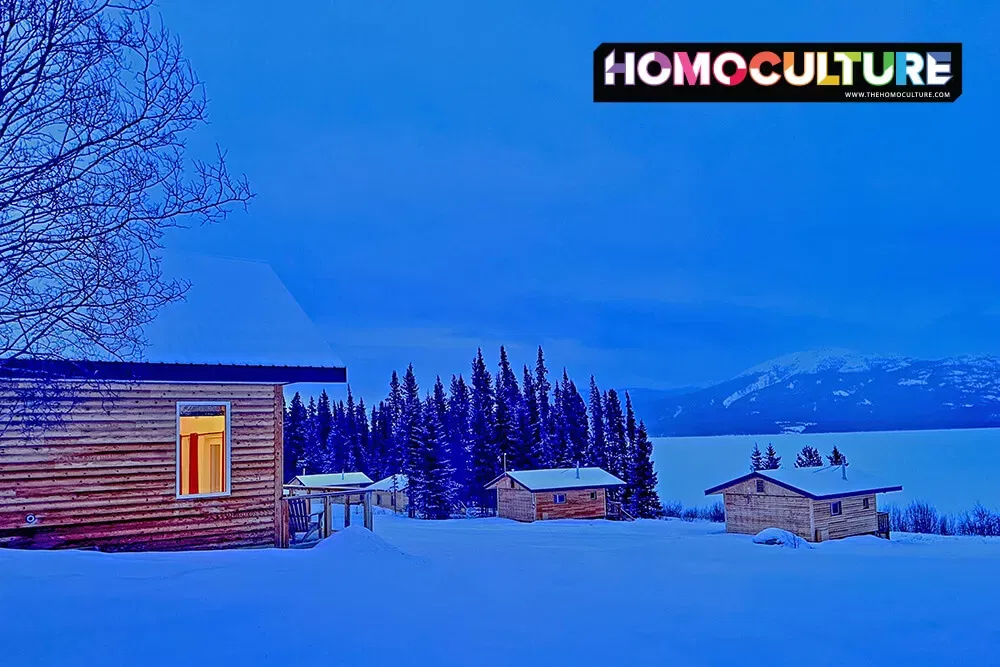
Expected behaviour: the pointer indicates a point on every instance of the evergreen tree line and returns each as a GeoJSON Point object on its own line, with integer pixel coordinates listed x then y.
{"type": "Point", "coordinates": [452, 443]}
{"type": "Point", "coordinates": [809, 457]}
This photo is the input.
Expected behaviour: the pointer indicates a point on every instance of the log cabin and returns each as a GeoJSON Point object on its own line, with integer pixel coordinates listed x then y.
{"type": "Point", "coordinates": [817, 504]}
{"type": "Point", "coordinates": [558, 493]}
{"type": "Point", "coordinates": [181, 450]}
{"type": "Point", "coordinates": [390, 493]}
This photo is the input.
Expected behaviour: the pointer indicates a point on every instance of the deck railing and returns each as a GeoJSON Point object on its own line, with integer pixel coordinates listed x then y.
{"type": "Point", "coordinates": [883, 524]}
{"type": "Point", "coordinates": [328, 497]}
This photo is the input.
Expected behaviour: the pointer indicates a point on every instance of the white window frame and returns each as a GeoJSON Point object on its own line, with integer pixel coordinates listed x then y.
{"type": "Point", "coordinates": [839, 505]}
{"type": "Point", "coordinates": [555, 497]}
{"type": "Point", "coordinates": [227, 452]}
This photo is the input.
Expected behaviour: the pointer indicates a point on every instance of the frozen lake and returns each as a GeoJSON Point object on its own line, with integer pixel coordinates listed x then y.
{"type": "Point", "coordinates": [952, 470]}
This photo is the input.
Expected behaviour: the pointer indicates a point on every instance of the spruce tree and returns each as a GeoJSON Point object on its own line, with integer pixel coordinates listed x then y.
{"type": "Point", "coordinates": [324, 429]}
{"type": "Point", "coordinates": [394, 408]}
{"type": "Point", "coordinates": [507, 433]}
{"type": "Point", "coordinates": [577, 423]}
{"type": "Point", "coordinates": [642, 498]}
{"type": "Point", "coordinates": [438, 487]}
{"type": "Point", "coordinates": [542, 390]}
{"type": "Point", "coordinates": [460, 434]}
{"type": "Point", "coordinates": [411, 419]}
{"type": "Point", "coordinates": [756, 459]}
{"type": "Point", "coordinates": [617, 438]}
{"type": "Point", "coordinates": [484, 463]}
{"type": "Point", "coordinates": [836, 458]}
{"type": "Point", "coordinates": [312, 455]}
{"type": "Point", "coordinates": [598, 446]}
{"type": "Point", "coordinates": [351, 435]}
{"type": "Point", "coordinates": [294, 437]}
{"type": "Point", "coordinates": [416, 463]}
{"type": "Point", "coordinates": [363, 454]}
{"type": "Point", "coordinates": [809, 457]}
{"type": "Point", "coordinates": [771, 459]}
{"type": "Point", "coordinates": [630, 456]}
{"type": "Point", "coordinates": [532, 426]}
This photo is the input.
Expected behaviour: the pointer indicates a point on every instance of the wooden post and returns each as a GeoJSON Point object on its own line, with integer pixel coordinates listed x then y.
{"type": "Point", "coordinates": [284, 537]}
{"type": "Point", "coordinates": [347, 511]}
{"type": "Point", "coordinates": [327, 520]}
{"type": "Point", "coordinates": [366, 500]}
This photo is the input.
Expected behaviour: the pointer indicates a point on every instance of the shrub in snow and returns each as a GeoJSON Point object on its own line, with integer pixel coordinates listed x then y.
{"type": "Point", "coordinates": [777, 536]}
{"type": "Point", "coordinates": [673, 509]}
{"type": "Point", "coordinates": [920, 517]}
{"type": "Point", "coordinates": [980, 521]}
{"type": "Point", "coordinates": [690, 514]}
{"type": "Point", "coordinates": [716, 513]}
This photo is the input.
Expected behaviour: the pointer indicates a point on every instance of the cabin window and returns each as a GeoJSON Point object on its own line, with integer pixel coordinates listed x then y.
{"type": "Point", "coordinates": [559, 498]}
{"type": "Point", "coordinates": [864, 503]}
{"type": "Point", "coordinates": [593, 495]}
{"type": "Point", "coordinates": [512, 483]}
{"type": "Point", "coordinates": [760, 486]}
{"type": "Point", "coordinates": [203, 449]}
{"type": "Point", "coordinates": [378, 498]}
{"type": "Point", "coordinates": [835, 508]}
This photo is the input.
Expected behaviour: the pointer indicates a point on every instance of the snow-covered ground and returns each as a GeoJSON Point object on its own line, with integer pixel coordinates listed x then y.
{"type": "Point", "coordinates": [951, 469]}
{"type": "Point", "coordinates": [493, 592]}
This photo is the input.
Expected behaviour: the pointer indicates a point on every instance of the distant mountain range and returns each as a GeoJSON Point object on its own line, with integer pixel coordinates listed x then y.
{"type": "Point", "coordinates": [833, 391]}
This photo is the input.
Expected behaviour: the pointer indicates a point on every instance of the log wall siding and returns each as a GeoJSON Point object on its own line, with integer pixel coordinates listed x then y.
{"type": "Point", "coordinates": [514, 503]}
{"type": "Point", "coordinates": [853, 520]}
{"type": "Point", "coordinates": [384, 499]}
{"type": "Point", "coordinates": [578, 505]}
{"type": "Point", "coordinates": [107, 477]}
{"type": "Point", "coordinates": [749, 512]}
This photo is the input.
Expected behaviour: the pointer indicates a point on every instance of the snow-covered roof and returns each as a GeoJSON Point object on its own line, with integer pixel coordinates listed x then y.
{"type": "Point", "coordinates": [397, 482]}
{"type": "Point", "coordinates": [235, 312]}
{"type": "Point", "coordinates": [819, 482]}
{"type": "Point", "coordinates": [562, 478]}
{"type": "Point", "coordinates": [334, 479]}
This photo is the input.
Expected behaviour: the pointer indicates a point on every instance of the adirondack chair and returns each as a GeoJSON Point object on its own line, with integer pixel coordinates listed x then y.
{"type": "Point", "coordinates": [301, 520]}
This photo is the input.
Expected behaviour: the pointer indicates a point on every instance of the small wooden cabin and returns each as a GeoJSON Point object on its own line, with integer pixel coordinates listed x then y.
{"type": "Point", "coordinates": [817, 504]}
{"type": "Point", "coordinates": [336, 480]}
{"type": "Point", "coordinates": [390, 493]}
{"type": "Point", "coordinates": [180, 451]}
{"type": "Point", "coordinates": [558, 493]}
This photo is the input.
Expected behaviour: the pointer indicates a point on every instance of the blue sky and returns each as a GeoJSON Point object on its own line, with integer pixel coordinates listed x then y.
{"type": "Point", "coordinates": [434, 176]}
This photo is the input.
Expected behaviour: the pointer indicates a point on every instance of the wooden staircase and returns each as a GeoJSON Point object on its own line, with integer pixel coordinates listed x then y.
{"type": "Point", "coordinates": [618, 513]}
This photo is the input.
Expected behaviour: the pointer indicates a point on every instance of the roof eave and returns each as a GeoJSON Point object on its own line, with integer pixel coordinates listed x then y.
{"type": "Point", "coordinates": [121, 371]}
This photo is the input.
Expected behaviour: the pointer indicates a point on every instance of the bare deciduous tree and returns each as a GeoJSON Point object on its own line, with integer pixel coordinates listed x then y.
{"type": "Point", "coordinates": [96, 99]}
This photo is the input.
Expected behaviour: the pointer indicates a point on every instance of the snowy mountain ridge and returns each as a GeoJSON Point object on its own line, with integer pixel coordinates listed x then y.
{"type": "Point", "coordinates": [838, 390]}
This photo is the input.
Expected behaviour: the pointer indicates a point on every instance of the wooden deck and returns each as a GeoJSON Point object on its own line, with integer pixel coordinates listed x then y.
{"type": "Point", "coordinates": [326, 497]}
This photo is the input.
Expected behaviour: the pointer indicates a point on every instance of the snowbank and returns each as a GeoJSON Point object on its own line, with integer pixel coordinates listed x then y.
{"type": "Point", "coordinates": [357, 542]}
{"type": "Point", "coordinates": [780, 537]}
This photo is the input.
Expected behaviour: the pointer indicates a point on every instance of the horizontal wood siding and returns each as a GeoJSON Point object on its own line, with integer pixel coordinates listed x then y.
{"type": "Point", "coordinates": [384, 499]}
{"type": "Point", "coordinates": [514, 503]}
{"type": "Point", "coordinates": [578, 505]}
{"type": "Point", "coordinates": [748, 512]}
{"type": "Point", "coordinates": [107, 477]}
{"type": "Point", "coordinates": [853, 520]}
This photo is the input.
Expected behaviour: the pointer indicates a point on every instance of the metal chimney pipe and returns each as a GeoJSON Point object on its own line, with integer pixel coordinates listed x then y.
{"type": "Point", "coordinates": [578, 470]}
{"type": "Point", "coordinates": [843, 470]}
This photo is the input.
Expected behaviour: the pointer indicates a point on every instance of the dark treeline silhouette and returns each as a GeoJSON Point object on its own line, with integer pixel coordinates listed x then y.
{"type": "Point", "coordinates": [452, 443]}
{"type": "Point", "coordinates": [809, 457]}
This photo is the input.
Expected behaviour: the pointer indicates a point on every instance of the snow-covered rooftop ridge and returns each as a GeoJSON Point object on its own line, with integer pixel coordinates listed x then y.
{"type": "Point", "coordinates": [334, 479]}
{"type": "Point", "coordinates": [826, 481]}
{"type": "Point", "coordinates": [237, 312]}
{"type": "Point", "coordinates": [564, 478]}
{"type": "Point", "coordinates": [392, 482]}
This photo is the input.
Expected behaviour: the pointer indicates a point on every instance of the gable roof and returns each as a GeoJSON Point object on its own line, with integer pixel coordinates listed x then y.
{"type": "Point", "coordinates": [387, 484]}
{"type": "Point", "coordinates": [334, 479]}
{"type": "Point", "coordinates": [236, 323]}
{"type": "Point", "coordinates": [818, 483]}
{"type": "Point", "coordinates": [554, 479]}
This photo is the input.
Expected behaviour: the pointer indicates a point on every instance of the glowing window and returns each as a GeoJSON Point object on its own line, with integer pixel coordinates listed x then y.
{"type": "Point", "coordinates": [203, 454]}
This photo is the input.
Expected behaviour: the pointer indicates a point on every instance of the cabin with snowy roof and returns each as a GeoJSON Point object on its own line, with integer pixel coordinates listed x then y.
{"type": "Point", "coordinates": [335, 480]}
{"type": "Point", "coordinates": [817, 504]}
{"type": "Point", "coordinates": [390, 493]}
{"type": "Point", "coordinates": [557, 493]}
{"type": "Point", "coordinates": [181, 449]}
